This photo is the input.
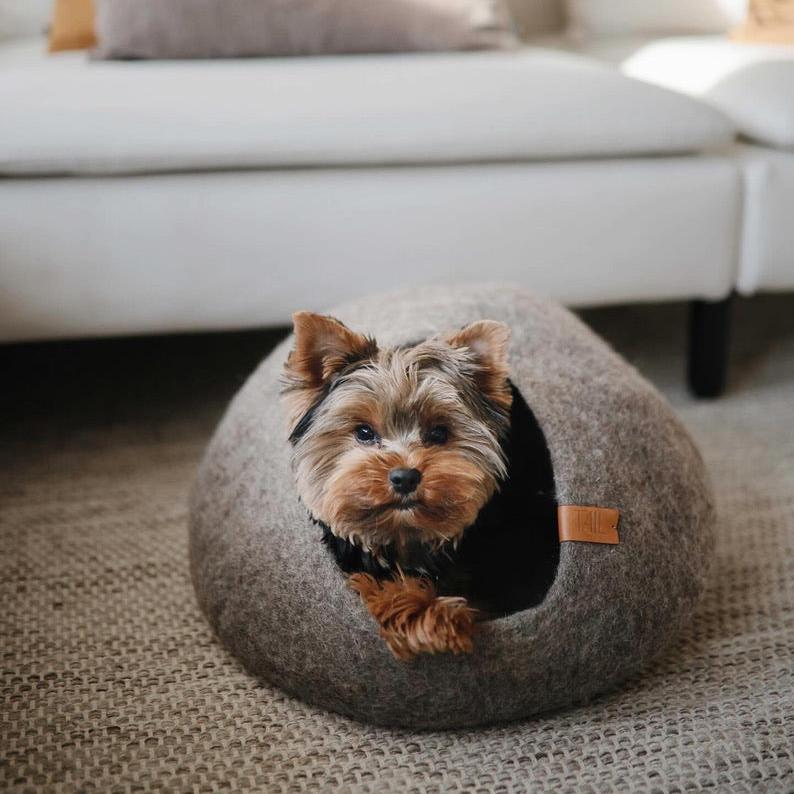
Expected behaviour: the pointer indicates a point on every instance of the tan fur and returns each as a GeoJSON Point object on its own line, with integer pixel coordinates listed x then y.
{"type": "Point", "coordinates": [322, 345]}
{"type": "Point", "coordinates": [449, 497]}
{"type": "Point", "coordinates": [488, 340]}
{"type": "Point", "coordinates": [413, 619]}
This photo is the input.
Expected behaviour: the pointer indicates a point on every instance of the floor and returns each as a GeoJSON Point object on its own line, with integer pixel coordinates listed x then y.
{"type": "Point", "coordinates": [111, 681]}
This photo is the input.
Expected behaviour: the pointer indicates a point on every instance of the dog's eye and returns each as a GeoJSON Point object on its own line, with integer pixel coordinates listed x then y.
{"type": "Point", "coordinates": [365, 434]}
{"type": "Point", "coordinates": [438, 435]}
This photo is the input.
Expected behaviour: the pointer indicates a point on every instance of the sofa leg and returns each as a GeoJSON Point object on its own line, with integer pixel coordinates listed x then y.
{"type": "Point", "coordinates": [709, 338]}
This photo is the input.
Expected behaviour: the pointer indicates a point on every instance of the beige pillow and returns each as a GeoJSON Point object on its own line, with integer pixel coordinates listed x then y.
{"type": "Point", "coordinates": [229, 28]}
{"type": "Point", "coordinates": [595, 18]}
{"type": "Point", "coordinates": [769, 21]}
{"type": "Point", "coordinates": [537, 17]}
{"type": "Point", "coordinates": [72, 25]}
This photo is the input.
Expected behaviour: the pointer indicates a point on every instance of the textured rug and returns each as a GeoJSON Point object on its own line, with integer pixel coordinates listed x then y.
{"type": "Point", "coordinates": [111, 681]}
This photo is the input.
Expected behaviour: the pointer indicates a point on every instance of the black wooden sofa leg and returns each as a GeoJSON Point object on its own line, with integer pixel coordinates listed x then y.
{"type": "Point", "coordinates": [709, 338]}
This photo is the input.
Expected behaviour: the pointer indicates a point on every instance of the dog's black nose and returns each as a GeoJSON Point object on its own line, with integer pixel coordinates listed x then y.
{"type": "Point", "coordinates": [404, 480]}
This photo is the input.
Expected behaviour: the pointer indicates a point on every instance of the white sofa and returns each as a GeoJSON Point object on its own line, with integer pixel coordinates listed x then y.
{"type": "Point", "coordinates": [148, 197]}
{"type": "Point", "coordinates": [753, 85]}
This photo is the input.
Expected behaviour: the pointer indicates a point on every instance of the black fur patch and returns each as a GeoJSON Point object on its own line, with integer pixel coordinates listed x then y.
{"type": "Point", "coordinates": [418, 560]}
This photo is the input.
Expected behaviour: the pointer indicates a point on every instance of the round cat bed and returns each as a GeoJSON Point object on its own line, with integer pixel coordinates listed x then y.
{"type": "Point", "coordinates": [279, 602]}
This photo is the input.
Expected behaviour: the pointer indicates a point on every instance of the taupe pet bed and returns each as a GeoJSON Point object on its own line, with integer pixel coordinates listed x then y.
{"type": "Point", "coordinates": [279, 602]}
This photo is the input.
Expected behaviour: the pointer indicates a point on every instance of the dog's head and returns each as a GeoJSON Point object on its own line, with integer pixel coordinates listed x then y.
{"type": "Point", "coordinates": [398, 445]}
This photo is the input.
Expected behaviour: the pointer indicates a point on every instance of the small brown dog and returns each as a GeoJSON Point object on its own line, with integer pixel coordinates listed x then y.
{"type": "Point", "coordinates": [396, 452]}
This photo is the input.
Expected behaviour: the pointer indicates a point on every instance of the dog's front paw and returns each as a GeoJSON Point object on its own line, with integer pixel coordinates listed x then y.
{"type": "Point", "coordinates": [445, 625]}
{"type": "Point", "coordinates": [413, 619]}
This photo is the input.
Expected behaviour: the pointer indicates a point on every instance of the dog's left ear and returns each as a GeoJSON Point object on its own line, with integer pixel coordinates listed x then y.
{"type": "Point", "coordinates": [323, 346]}
{"type": "Point", "coordinates": [487, 342]}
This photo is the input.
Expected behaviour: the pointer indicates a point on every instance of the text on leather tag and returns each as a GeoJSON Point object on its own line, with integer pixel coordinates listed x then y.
{"type": "Point", "coordinates": [588, 524]}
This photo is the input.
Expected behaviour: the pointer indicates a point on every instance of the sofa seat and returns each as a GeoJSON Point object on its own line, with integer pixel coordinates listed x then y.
{"type": "Point", "coordinates": [766, 261]}
{"type": "Point", "coordinates": [94, 256]}
{"type": "Point", "coordinates": [753, 84]}
{"type": "Point", "coordinates": [66, 114]}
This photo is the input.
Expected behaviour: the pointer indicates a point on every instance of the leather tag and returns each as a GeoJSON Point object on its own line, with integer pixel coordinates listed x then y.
{"type": "Point", "coordinates": [588, 524]}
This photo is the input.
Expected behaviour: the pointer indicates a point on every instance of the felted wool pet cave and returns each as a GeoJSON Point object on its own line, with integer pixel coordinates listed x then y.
{"type": "Point", "coordinates": [278, 601]}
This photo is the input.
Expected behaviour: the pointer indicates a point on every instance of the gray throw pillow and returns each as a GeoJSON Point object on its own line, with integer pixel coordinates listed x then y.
{"type": "Point", "coordinates": [234, 28]}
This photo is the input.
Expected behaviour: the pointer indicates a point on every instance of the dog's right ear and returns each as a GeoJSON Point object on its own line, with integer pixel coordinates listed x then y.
{"type": "Point", "coordinates": [323, 346]}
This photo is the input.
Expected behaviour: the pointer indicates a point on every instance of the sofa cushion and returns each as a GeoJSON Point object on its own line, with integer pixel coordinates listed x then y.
{"type": "Point", "coordinates": [760, 100]}
{"type": "Point", "coordinates": [223, 29]}
{"type": "Point", "coordinates": [537, 17]}
{"type": "Point", "coordinates": [627, 17]}
{"type": "Point", "coordinates": [751, 84]}
{"type": "Point", "coordinates": [66, 114]}
{"type": "Point", "coordinates": [72, 26]}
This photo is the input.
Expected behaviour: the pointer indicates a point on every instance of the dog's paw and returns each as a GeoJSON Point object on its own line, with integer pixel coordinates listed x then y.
{"type": "Point", "coordinates": [365, 585]}
{"type": "Point", "coordinates": [445, 625]}
{"type": "Point", "coordinates": [413, 619]}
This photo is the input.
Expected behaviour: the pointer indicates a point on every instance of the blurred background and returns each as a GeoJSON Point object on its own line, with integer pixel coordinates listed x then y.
{"type": "Point", "coordinates": [193, 165]}
{"type": "Point", "coordinates": [178, 176]}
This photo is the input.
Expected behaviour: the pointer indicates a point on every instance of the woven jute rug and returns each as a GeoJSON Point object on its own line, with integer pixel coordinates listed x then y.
{"type": "Point", "coordinates": [111, 680]}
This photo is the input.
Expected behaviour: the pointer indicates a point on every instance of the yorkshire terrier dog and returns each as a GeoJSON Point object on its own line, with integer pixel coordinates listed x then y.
{"type": "Point", "coordinates": [396, 453]}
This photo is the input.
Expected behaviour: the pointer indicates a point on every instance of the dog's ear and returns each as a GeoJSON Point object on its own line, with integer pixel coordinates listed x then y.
{"type": "Point", "coordinates": [323, 346]}
{"type": "Point", "coordinates": [487, 342]}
